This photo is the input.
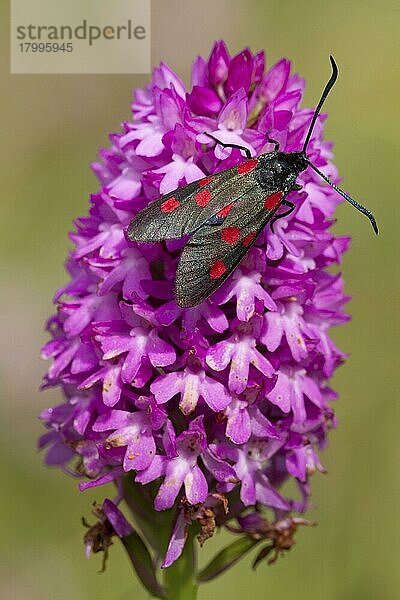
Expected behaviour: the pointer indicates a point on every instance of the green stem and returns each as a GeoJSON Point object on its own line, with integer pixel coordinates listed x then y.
{"type": "Point", "coordinates": [180, 578]}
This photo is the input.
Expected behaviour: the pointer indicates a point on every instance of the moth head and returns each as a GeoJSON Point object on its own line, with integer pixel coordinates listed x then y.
{"type": "Point", "coordinates": [281, 171]}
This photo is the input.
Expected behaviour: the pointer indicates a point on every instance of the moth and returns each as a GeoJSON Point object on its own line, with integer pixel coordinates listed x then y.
{"type": "Point", "coordinates": [225, 212]}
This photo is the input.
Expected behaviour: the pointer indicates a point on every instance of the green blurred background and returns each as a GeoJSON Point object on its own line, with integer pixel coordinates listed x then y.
{"type": "Point", "coordinates": [51, 129]}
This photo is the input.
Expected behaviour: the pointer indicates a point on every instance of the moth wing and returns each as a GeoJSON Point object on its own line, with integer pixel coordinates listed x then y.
{"type": "Point", "coordinates": [184, 210]}
{"type": "Point", "coordinates": [214, 251]}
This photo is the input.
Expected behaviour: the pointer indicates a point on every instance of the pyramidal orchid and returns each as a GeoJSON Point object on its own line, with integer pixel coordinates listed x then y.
{"type": "Point", "coordinates": [198, 417]}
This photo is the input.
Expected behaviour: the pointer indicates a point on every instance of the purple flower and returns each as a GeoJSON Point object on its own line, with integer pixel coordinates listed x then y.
{"type": "Point", "coordinates": [245, 418]}
{"type": "Point", "coordinates": [239, 351]}
{"type": "Point", "coordinates": [191, 385]}
{"type": "Point", "coordinates": [292, 389]}
{"type": "Point", "coordinates": [287, 320]}
{"type": "Point", "coordinates": [222, 403]}
{"type": "Point", "coordinates": [231, 126]}
{"type": "Point", "coordinates": [133, 430]}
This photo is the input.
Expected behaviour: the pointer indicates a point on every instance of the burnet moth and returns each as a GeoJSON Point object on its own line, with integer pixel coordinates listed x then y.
{"type": "Point", "coordinates": [224, 213]}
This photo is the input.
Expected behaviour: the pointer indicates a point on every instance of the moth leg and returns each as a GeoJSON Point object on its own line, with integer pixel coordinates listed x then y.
{"type": "Point", "coordinates": [285, 214]}
{"type": "Point", "coordinates": [271, 141]}
{"type": "Point", "coordinates": [245, 150]}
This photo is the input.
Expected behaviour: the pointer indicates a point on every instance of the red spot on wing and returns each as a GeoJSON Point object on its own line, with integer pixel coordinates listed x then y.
{"type": "Point", "coordinates": [226, 210]}
{"type": "Point", "coordinates": [248, 239]}
{"type": "Point", "coordinates": [217, 270]}
{"type": "Point", "coordinates": [273, 200]}
{"type": "Point", "coordinates": [230, 235]}
{"type": "Point", "coordinates": [170, 205]}
{"type": "Point", "coordinates": [247, 166]}
{"type": "Point", "coordinates": [205, 181]}
{"type": "Point", "coordinates": [203, 198]}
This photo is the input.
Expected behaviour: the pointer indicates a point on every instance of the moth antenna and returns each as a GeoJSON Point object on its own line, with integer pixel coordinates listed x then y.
{"type": "Point", "coordinates": [325, 93]}
{"type": "Point", "coordinates": [349, 199]}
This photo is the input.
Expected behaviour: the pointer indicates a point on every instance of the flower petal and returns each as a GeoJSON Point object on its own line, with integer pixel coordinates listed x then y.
{"type": "Point", "coordinates": [177, 541]}
{"type": "Point", "coordinates": [196, 487]}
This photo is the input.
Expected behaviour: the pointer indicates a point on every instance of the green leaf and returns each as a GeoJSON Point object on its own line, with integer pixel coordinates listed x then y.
{"type": "Point", "coordinates": [226, 558]}
{"type": "Point", "coordinates": [142, 563]}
